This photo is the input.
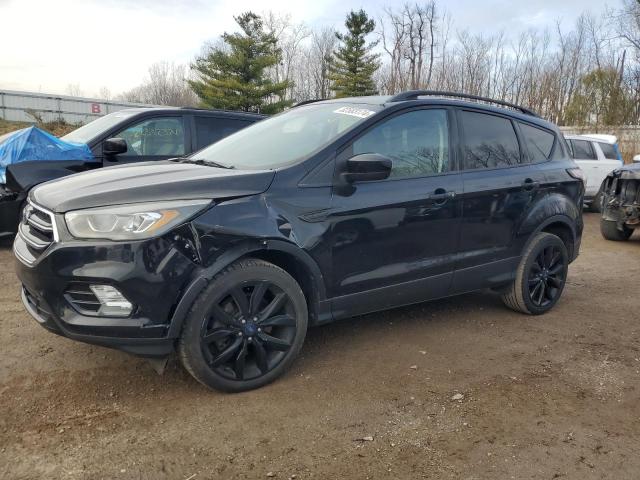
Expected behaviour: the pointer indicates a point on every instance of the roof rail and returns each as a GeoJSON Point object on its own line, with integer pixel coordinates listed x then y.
{"type": "Point", "coordinates": [414, 94]}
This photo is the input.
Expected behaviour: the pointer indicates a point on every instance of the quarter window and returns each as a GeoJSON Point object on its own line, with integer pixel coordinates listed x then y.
{"type": "Point", "coordinates": [417, 142]}
{"type": "Point", "coordinates": [539, 142]}
{"type": "Point", "coordinates": [155, 137]}
{"type": "Point", "coordinates": [582, 150]}
{"type": "Point", "coordinates": [489, 141]}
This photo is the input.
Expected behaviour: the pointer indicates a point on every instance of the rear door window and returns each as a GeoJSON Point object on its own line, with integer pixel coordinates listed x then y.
{"type": "Point", "coordinates": [539, 142]}
{"type": "Point", "coordinates": [582, 150]}
{"type": "Point", "coordinates": [489, 141]}
{"type": "Point", "coordinates": [211, 129]}
{"type": "Point", "coordinates": [609, 150]}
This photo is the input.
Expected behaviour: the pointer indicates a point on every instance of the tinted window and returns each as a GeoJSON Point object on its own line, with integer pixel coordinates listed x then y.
{"type": "Point", "coordinates": [489, 141]}
{"type": "Point", "coordinates": [211, 129]}
{"type": "Point", "coordinates": [161, 136]}
{"type": "Point", "coordinates": [609, 150]}
{"type": "Point", "coordinates": [582, 150]}
{"type": "Point", "coordinates": [539, 142]}
{"type": "Point", "coordinates": [417, 142]}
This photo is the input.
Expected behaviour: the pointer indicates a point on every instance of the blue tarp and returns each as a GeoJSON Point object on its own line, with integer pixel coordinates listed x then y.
{"type": "Point", "coordinates": [34, 144]}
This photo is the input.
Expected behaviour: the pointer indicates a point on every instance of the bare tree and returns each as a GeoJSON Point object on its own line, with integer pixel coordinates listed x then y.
{"type": "Point", "coordinates": [165, 85]}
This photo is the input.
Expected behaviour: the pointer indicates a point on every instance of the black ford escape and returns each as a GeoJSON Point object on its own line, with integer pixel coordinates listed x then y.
{"type": "Point", "coordinates": [329, 210]}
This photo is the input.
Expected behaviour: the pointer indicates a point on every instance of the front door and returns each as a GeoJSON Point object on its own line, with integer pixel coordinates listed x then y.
{"type": "Point", "coordinates": [393, 241]}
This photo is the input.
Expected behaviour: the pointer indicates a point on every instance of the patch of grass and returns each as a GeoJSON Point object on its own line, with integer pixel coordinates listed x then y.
{"type": "Point", "coordinates": [57, 128]}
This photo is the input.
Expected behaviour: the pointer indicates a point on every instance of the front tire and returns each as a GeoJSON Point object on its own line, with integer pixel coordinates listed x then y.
{"type": "Point", "coordinates": [610, 231]}
{"type": "Point", "coordinates": [246, 328]}
{"type": "Point", "coordinates": [540, 277]}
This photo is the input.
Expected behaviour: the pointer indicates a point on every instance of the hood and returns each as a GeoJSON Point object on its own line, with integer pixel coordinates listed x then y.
{"type": "Point", "coordinates": [148, 182]}
{"type": "Point", "coordinates": [627, 172]}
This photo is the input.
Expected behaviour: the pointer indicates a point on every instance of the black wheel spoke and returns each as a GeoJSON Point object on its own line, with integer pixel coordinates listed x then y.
{"type": "Point", "coordinates": [274, 307]}
{"type": "Point", "coordinates": [543, 287]}
{"type": "Point", "coordinates": [257, 296]}
{"type": "Point", "coordinates": [261, 357]}
{"type": "Point", "coordinates": [217, 335]}
{"type": "Point", "coordinates": [240, 298]}
{"type": "Point", "coordinates": [554, 260]}
{"type": "Point", "coordinates": [278, 321]}
{"type": "Point", "coordinates": [274, 343]}
{"type": "Point", "coordinates": [534, 292]}
{"type": "Point", "coordinates": [556, 270]}
{"type": "Point", "coordinates": [227, 353]}
{"type": "Point", "coordinates": [239, 363]}
{"type": "Point", "coordinates": [548, 255]}
{"type": "Point", "coordinates": [533, 281]}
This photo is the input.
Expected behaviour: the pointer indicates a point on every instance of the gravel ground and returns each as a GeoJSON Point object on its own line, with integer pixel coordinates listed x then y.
{"type": "Point", "coordinates": [460, 388]}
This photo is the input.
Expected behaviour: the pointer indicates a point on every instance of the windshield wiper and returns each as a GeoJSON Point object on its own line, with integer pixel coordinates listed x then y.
{"type": "Point", "coordinates": [202, 161]}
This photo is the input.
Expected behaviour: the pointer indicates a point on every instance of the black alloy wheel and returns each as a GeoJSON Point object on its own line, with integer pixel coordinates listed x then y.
{"type": "Point", "coordinates": [245, 328]}
{"type": "Point", "coordinates": [546, 276]}
{"type": "Point", "coordinates": [540, 277]}
{"type": "Point", "coordinates": [248, 330]}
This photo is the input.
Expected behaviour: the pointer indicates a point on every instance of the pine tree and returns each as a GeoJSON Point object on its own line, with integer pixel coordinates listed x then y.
{"type": "Point", "coordinates": [233, 76]}
{"type": "Point", "coordinates": [353, 65]}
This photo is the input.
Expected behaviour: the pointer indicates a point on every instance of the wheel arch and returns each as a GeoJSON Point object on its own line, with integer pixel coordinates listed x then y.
{"type": "Point", "coordinates": [296, 262]}
{"type": "Point", "coordinates": [561, 226]}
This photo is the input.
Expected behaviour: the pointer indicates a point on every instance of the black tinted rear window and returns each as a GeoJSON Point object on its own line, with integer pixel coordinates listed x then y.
{"type": "Point", "coordinates": [211, 129]}
{"type": "Point", "coordinates": [609, 150]}
{"type": "Point", "coordinates": [539, 142]}
{"type": "Point", "coordinates": [489, 141]}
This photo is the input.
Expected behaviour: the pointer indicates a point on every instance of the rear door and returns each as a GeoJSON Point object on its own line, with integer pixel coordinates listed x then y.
{"type": "Point", "coordinates": [500, 182]}
{"type": "Point", "coordinates": [153, 138]}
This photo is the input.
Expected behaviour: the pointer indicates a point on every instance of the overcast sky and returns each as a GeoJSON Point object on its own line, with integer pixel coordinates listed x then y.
{"type": "Point", "coordinates": [45, 45]}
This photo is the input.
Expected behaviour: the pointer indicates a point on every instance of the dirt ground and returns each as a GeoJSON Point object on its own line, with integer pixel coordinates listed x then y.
{"type": "Point", "coordinates": [550, 397]}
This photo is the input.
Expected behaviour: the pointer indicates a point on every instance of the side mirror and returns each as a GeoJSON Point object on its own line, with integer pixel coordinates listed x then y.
{"type": "Point", "coordinates": [636, 159]}
{"type": "Point", "coordinates": [367, 167]}
{"type": "Point", "coordinates": [114, 146]}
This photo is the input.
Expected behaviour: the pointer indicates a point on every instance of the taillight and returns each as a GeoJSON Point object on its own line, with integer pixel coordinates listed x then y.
{"type": "Point", "coordinates": [577, 173]}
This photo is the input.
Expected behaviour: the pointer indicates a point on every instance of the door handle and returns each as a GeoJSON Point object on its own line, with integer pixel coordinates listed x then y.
{"type": "Point", "coordinates": [529, 184]}
{"type": "Point", "coordinates": [440, 196]}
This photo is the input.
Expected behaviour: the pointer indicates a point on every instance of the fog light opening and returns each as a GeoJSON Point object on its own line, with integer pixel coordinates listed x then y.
{"type": "Point", "coordinates": [112, 302]}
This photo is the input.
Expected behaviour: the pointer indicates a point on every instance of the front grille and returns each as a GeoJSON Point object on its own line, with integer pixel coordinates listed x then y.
{"type": "Point", "coordinates": [36, 229]}
{"type": "Point", "coordinates": [82, 299]}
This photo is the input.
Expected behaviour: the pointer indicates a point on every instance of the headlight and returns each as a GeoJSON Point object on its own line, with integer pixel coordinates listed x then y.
{"type": "Point", "coordinates": [131, 222]}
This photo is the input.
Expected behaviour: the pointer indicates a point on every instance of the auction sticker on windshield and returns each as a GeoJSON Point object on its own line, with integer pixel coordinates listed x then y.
{"type": "Point", "coordinates": [355, 112]}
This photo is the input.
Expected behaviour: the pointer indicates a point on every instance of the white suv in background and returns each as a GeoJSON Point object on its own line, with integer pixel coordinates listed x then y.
{"type": "Point", "coordinates": [597, 155]}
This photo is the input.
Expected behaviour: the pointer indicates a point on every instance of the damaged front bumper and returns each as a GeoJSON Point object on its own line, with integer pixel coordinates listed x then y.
{"type": "Point", "coordinates": [621, 197]}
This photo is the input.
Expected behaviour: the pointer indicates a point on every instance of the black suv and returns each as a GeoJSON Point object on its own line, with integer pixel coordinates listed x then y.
{"type": "Point", "coordinates": [126, 136]}
{"type": "Point", "coordinates": [329, 210]}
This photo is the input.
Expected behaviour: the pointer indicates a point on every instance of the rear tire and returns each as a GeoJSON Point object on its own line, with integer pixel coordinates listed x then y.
{"type": "Point", "coordinates": [246, 327]}
{"type": "Point", "coordinates": [610, 231]}
{"type": "Point", "coordinates": [540, 277]}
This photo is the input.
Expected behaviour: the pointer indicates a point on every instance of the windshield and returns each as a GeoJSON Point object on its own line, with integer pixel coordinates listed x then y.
{"type": "Point", "coordinates": [89, 131]}
{"type": "Point", "coordinates": [286, 138]}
